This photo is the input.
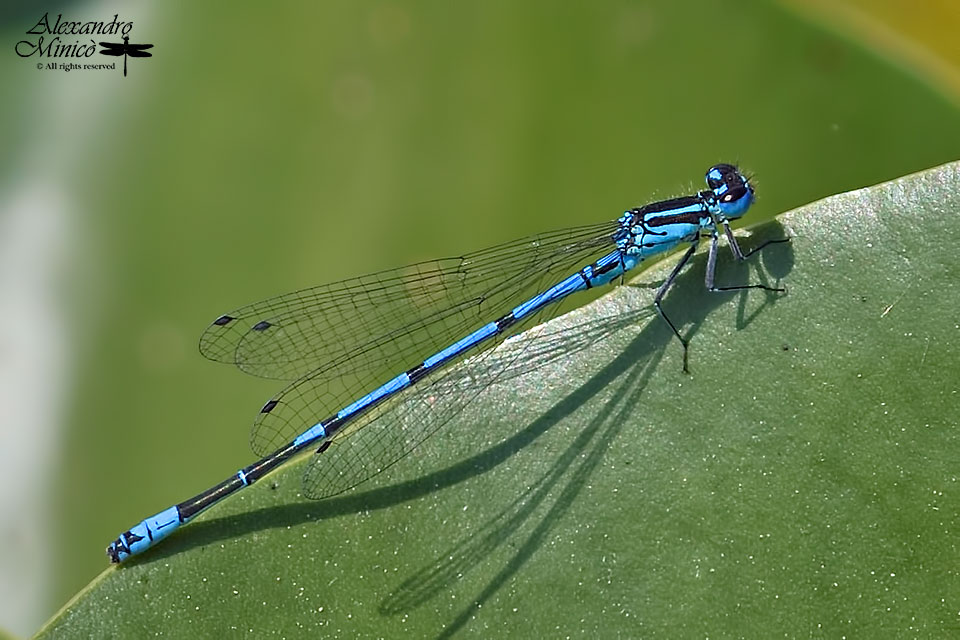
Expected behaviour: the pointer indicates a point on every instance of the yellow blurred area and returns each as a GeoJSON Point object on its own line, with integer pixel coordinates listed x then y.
{"type": "Point", "coordinates": [921, 36]}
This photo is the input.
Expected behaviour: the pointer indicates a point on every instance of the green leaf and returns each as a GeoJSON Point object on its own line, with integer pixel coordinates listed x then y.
{"type": "Point", "coordinates": [802, 481]}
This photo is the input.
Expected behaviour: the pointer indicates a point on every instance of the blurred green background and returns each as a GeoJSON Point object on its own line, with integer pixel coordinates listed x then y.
{"type": "Point", "coordinates": [270, 147]}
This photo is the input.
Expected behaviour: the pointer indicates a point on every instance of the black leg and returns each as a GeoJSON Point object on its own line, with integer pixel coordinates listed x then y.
{"type": "Point", "coordinates": [662, 291]}
{"type": "Point", "coordinates": [735, 247]}
{"type": "Point", "coordinates": [740, 256]}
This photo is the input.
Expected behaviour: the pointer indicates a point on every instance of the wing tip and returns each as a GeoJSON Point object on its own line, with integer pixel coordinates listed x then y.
{"type": "Point", "coordinates": [214, 344]}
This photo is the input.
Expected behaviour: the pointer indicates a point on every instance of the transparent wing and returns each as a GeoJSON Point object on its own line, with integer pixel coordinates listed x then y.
{"type": "Point", "coordinates": [318, 394]}
{"type": "Point", "coordinates": [381, 318]}
{"type": "Point", "coordinates": [394, 430]}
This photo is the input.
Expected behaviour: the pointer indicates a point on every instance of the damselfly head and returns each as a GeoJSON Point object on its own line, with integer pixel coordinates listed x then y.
{"type": "Point", "coordinates": [732, 189]}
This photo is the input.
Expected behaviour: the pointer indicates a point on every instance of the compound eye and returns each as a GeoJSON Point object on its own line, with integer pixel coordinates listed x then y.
{"type": "Point", "coordinates": [714, 179]}
{"type": "Point", "coordinates": [720, 174]}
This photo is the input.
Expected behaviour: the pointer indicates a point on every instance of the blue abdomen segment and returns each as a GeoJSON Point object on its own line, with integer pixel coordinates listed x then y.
{"type": "Point", "coordinates": [387, 389]}
{"type": "Point", "coordinates": [315, 432]}
{"type": "Point", "coordinates": [145, 534]}
{"type": "Point", "coordinates": [153, 529]}
{"type": "Point", "coordinates": [560, 290]}
{"type": "Point", "coordinates": [461, 345]}
{"type": "Point", "coordinates": [609, 267]}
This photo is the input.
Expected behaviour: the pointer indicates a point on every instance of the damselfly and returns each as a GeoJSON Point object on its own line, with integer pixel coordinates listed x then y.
{"type": "Point", "coordinates": [335, 341]}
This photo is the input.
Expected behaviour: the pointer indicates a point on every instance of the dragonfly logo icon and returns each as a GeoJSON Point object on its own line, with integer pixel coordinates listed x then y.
{"type": "Point", "coordinates": [126, 50]}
